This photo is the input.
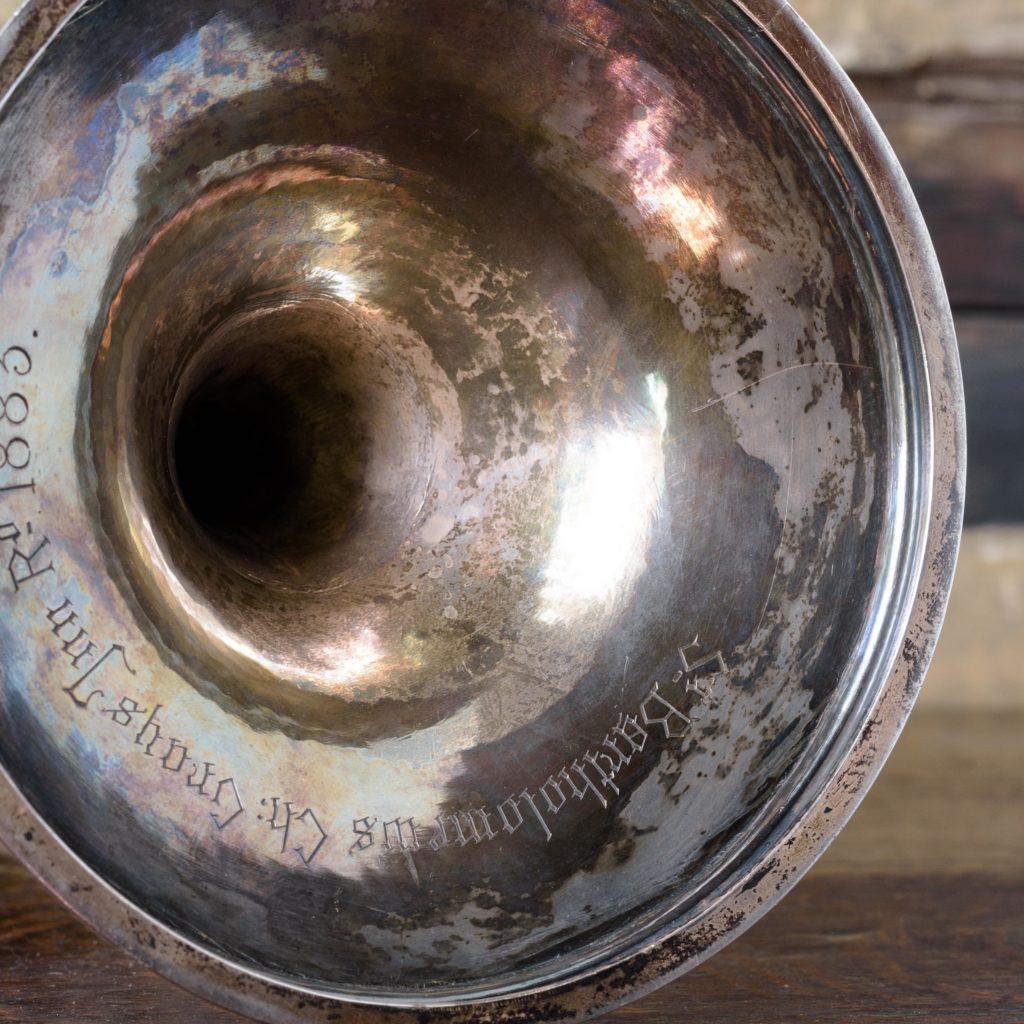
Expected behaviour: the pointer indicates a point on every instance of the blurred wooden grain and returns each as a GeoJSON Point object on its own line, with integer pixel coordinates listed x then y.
{"type": "Point", "coordinates": [891, 35]}
{"type": "Point", "coordinates": [958, 130]}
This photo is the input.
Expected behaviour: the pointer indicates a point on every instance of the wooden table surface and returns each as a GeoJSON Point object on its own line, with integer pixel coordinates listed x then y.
{"type": "Point", "coordinates": [917, 910]}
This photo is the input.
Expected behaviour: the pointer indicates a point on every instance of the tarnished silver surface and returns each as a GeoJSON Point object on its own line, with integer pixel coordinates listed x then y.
{"type": "Point", "coordinates": [480, 483]}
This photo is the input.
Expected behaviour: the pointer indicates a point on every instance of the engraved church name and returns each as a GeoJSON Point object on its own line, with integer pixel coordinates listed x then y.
{"type": "Point", "coordinates": [593, 775]}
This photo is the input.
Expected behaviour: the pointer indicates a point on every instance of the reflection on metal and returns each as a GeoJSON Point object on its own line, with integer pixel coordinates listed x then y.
{"type": "Point", "coordinates": [612, 495]}
{"type": "Point", "coordinates": [478, 486]}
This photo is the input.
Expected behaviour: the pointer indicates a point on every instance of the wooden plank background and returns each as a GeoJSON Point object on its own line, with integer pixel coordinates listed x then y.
{"type": "Point", "coordinates": [917, 910]}
{"type": "Point", "coordinates": [893, 35]}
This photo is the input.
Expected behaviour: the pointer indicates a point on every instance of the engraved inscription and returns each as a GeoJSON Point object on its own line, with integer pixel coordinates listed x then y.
{"type": "Point", "coordinates": [593, 775]}
{"type": "Point", "coordinates": [293, 824]}
{"type": "Point", "coordinates": [400, 833]}
{"type": "Point", "coordinates": [75, 690]}
{"type": "Point", "coordinates": [362, 829]}
{"type": "Point", "coordinates": [92, 664]}
{"type": "Point", "coordinates": [15, 451]}
{"type": "Point", "coordinates": [74, 640]}
{"type": "Point", "coordinates": [231, 807]}
{"type": "Point", "coordinates": [82, 652]}
{"type": "Point", "coordinates": [30, 556]}
{"type": "Point", "coordinates": [173, 755]}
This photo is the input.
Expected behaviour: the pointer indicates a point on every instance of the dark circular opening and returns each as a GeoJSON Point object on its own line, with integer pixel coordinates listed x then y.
{"type": "Point", "coordinates": [268, 452]}
{"type": "Point", "coordinates": [242, 465]}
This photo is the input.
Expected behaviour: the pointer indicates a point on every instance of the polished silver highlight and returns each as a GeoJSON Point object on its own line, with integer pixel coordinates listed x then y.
{"type": "Point", "coordinates": [479, 486]}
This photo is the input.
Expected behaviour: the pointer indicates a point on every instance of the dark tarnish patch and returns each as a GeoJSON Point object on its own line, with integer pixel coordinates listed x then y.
{"type": "Point", "coordinates": [917, 650]}
{"type": "Point", "coordinates": [751, 366]}
{"type": "Point", "coordinates": [758, 876]}
{"type": "Point", "coordinates": [770, 745]}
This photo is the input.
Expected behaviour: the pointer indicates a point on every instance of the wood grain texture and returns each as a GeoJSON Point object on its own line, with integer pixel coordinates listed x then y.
{"type": "Point", "coordinates": [992, 357]}
{"type": "Point", "coordinates": [980, 655]}
{"type": "Point", "coordinates": [958, 130]}
{"type": "Point", "coordinates": [898, 34]}
{"type": "Point", "coordinates": [916, 912]}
